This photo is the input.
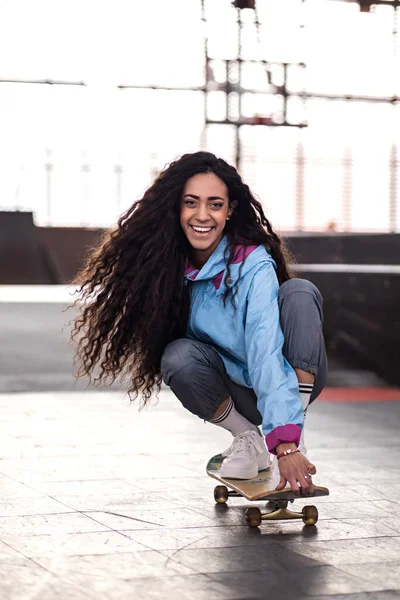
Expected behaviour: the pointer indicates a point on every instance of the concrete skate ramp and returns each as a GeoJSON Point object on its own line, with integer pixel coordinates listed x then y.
{"type": "Point", "coordinates": [23, 256]}
{"type": "Point", "coordinates": [359, 278]}
{"type": "Point", "coordinates": [345, 248]}
{"type": "Point", "coordinates": [69, 247]}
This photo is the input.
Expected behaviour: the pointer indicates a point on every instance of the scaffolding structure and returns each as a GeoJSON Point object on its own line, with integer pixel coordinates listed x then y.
{"type": "Point", "coordinates": [233, 91]}
{"type": "Point", "coordinates": [277, 76]}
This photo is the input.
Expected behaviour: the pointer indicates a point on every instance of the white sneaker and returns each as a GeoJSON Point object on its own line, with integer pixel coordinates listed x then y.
{"type": "Point", "coordinates": [246, 456]}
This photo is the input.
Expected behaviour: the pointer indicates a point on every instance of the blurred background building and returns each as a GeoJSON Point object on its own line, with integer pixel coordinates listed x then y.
{"type": "Point", "coordinates": [302, 95]}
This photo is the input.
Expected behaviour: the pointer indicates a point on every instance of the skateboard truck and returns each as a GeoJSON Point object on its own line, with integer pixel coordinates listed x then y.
{"type": "Point", "coordinates": [254, 516]}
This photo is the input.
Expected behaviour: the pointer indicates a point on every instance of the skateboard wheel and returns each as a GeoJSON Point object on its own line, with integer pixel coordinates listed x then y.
{"type": "Point", "coordinates": [253, 517]}
{"type": "Point", "coordinates": [221, 494]}
{"type": "Point", "coordinates": [310, 515]}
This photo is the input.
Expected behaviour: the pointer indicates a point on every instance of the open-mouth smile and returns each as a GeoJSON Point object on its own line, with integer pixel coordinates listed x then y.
{"type": "Point", "coordinates": [201, 230]}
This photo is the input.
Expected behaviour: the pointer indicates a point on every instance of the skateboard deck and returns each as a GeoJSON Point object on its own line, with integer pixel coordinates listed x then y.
{"type": "Point", "coordinates": [261, 487]}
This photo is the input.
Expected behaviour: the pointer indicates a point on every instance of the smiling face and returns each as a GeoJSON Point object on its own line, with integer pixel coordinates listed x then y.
{"type": "Point", "coordinates": [204, 211]}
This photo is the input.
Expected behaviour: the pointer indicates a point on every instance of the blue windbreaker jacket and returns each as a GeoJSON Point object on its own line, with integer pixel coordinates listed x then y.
{"type": "Point", "coordinates": [248, 337]}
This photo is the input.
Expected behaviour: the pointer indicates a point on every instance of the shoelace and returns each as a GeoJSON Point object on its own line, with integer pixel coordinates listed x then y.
{"type": "Point", "coordinates": [238, 443]}
{"type": "Point", "coordinates": [242, 442]}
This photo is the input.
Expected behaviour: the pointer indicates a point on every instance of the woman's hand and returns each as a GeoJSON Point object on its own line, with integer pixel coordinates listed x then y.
{"type": "Point", "coordinates": [295, 469]}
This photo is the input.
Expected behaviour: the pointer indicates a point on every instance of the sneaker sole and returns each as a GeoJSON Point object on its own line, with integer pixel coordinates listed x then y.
{"type": "Point", "coordinates": [235, 473]}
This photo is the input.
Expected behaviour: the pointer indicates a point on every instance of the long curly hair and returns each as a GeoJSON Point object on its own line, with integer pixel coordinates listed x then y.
{"type": "Point", "coordinates": [132, 299]}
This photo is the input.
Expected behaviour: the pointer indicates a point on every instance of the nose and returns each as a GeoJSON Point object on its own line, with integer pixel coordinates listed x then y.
{"type": "Point", "coordinates": [202, 213]}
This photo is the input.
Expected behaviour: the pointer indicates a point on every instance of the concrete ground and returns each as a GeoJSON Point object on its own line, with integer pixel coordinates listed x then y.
{"type": "Point", "coordinates": [99, 500]}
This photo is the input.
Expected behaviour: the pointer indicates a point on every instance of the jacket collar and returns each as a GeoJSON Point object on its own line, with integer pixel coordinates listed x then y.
{"type": "Point", "coordinates": [212, 268]}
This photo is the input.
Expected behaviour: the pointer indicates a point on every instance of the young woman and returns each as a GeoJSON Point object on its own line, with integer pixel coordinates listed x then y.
{"type": "Point", "coordinates": [193, 287]}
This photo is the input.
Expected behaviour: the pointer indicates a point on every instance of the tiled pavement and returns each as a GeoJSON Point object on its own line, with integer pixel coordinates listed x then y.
{"type": "Point", "coordinates": [99, 500]}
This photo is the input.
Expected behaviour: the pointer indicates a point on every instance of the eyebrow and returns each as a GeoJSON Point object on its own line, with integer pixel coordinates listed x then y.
{"type": "Point", "coordinates": [209, 197]}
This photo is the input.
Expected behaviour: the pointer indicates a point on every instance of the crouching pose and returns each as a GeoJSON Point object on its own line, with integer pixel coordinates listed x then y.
{"type": "Point", "coordinates": [193, 287]}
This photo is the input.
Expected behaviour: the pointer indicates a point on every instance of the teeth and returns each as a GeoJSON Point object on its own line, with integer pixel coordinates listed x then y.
{"type": "Point", "coordinates": [201, 229]}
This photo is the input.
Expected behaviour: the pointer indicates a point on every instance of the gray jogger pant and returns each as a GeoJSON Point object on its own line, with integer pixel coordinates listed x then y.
{"type": "Point", "coordinates": [196, 373]}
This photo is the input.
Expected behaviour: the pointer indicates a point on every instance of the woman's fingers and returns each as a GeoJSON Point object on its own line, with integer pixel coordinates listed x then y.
{"type": "Point", "coordinates": [297, 471]}
{"type": "Point", "coordinates": [295, 482]}
{"type": "Point", "coordinates": [311, 468]}
{"type": "Point", "coordinates": [281, 483]}
{"type": "Point", "coordinates": [304, 481]}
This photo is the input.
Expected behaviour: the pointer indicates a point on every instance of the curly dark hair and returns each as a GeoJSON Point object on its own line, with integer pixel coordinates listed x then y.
{"type": "Point", "coordinates": [131, 293]}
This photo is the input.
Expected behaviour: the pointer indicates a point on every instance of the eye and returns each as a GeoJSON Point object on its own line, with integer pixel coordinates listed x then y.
{"type": "Point", "coordinates": [217, 205]}
{"type": "Point", "coordinates": [189, 202]}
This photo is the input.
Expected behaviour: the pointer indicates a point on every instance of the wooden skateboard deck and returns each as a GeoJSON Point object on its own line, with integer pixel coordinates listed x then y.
{"type": "Point", "coordinates": [261, 487]}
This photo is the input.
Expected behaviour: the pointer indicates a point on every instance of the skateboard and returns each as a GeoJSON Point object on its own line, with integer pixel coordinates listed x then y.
{"type": "Point", "coordinates": [262, 488]}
